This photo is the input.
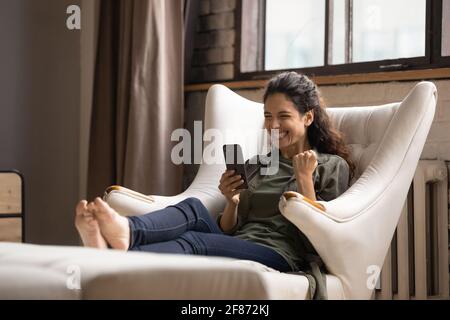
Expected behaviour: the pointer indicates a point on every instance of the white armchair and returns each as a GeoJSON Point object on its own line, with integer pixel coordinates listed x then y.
{"type": "Point", "coordinates": [354, 232]}
{"type": "Point", "coordinates": [351, 235]}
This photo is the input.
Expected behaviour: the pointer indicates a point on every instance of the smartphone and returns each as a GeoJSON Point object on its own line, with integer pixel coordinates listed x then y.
{"type": "Point", "coordinates": [234, 160]}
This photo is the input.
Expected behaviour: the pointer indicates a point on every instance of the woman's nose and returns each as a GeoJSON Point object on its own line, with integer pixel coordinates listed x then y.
{"type": "Point", "coordinates": [274, 124]}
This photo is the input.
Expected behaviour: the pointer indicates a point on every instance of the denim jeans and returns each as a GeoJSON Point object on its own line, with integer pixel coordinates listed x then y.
{"type": "Point", "coordinates": [187, 228]}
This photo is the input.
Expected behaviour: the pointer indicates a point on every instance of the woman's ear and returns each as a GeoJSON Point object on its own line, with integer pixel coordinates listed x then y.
{"type": "Point", "coordinates": [309, 118]}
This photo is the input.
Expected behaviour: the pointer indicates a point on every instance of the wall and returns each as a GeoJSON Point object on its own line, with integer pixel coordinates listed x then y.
{"type": "Point", "coordinates": [40, 112]}
{"type": "Point", "coordinates": [214, 42]}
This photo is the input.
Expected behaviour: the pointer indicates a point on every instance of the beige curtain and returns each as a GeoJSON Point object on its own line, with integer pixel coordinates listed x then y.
{"type": "Point", "coordinates": [138, 97]}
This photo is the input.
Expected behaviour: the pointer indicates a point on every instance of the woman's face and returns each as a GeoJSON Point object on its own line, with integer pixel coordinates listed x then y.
{"type": "Point", "coordinates": [280, 113]}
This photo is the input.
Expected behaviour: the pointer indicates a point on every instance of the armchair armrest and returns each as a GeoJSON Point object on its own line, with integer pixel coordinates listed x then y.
{"type": "Point", "coordinates": [336, 242]}
{"type": "Point", "coordinates": [130, 193]}
{"type": "Point", "coordinates": [352, 244]}
{"type": "Point", "coordinates": [292, 194]}
{"type": "Point", "coordinates": [128, 202]}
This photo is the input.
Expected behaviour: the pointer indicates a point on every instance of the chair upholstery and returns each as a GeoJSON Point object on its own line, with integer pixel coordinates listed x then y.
{"type": "Point", "coordinates": [43, 272]}
{"type": "Point", "coordinates": [353, 235]}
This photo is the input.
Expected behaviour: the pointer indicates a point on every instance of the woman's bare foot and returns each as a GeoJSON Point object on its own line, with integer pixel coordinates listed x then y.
{"type": "Point", "coordinates": [88, 227]}
{"type": "Point", "coordinates": [114, 228]}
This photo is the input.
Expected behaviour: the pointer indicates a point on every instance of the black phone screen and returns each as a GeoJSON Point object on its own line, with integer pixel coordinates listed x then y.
{"type": "Point", "coordinates": [234, 160]}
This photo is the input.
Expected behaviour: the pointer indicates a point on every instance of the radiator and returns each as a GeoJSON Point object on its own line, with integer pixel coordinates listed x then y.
{"type": "Point", "coordinates": [417, 263]}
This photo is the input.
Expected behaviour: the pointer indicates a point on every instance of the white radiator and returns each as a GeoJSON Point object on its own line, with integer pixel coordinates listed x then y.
{"type": "Point", "coordinates": [417, 264]}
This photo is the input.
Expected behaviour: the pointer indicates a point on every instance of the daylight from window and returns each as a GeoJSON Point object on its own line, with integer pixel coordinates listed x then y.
{"type": "Point", "coordinates": [381, 29]}
{"type": "Point", "coordinates": [295, 32]}
{"type": "Point", "coordinates": [386, 29]}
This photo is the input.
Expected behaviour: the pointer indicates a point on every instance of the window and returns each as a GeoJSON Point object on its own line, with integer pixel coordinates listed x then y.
{"type": "Point", "coordinates": [324, 37]}
{"type": "Point", "coordinates": [294, 34]}
{"type": "Point", "coordinates": [446, 28]}
{"type": "Point", "coordinates": [384, 29]}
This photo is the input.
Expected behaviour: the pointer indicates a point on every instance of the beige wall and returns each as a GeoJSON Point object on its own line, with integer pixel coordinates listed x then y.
{"type": "Point", "coordinates": [40, 112]}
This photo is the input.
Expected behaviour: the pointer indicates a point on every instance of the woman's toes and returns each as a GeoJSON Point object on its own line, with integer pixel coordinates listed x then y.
{"type": "Point", "coordinates": [88, 227]}
{"type": "Point", "coordinates": [101, 209]}
{"type": "Point", "coordinates": [102, 205]}
{"type": "Point", "coordinates": [113, 226]}
{"type": "Point", "coordinates": [80, 214]}
{"type": "Point", "coordinates": [81, 207]}
{"type": "Point", "coordinates": [91, 208]}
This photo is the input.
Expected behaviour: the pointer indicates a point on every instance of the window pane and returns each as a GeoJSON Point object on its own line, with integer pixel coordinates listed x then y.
{"type": "Point", "coordinates": [446, 27]}
{"type": "Point", "coordinates": [251, 36]}
{"type": "Point", "coordinates": [386, 29]}
{"type": "Point", "coordinates": [337, 32]}
{"type": "Point", "coordinates": [295, 34]}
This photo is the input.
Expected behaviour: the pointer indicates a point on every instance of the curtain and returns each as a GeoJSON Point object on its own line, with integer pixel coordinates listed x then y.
{"type": "Point", "coordinates": [138, 97]}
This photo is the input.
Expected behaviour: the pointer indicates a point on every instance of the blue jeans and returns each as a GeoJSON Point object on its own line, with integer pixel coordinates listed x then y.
{"type": "Point", "coordinates": [187, 228]}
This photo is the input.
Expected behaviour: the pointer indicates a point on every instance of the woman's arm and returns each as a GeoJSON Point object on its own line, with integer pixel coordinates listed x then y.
{"type": "Point", "coordinates": [305, 186]}
{"type": "Point", "coordinates": [228, 186]}
{"type": "Point", "coordinates": [304, 165]}
{"type": "Point", "coordinates": [229, 217]}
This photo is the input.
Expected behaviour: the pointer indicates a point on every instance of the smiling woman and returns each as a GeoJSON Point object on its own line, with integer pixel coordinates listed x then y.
{"type": "Point", "coordinates": [301, 117]}
{"type": "Point", "coordinates": [282, 115]}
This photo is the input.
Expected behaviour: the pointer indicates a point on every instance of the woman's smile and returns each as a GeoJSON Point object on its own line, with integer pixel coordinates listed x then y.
{"type": "Point", "coordinates": [282, 134]}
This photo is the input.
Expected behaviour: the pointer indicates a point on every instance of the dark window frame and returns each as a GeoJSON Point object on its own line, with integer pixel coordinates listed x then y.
{"type": "Point", "coordinates": [431, 60]}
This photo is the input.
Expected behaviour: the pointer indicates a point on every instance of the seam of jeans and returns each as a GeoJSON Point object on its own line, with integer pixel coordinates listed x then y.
{"type": "Point", "coordinates": [183, 206]}
{"type": "Point", "coordinates": [172, 228]}
{"type": "Point", "coordinates": [195, 249]}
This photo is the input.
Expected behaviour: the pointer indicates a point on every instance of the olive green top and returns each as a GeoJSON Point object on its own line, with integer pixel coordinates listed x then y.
{"type": "Point", "coordinates": [260, 220]}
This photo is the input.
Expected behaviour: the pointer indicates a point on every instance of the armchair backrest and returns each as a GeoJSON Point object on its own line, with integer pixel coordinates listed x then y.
{"type": "Point", "coordinates": [365, 128]}
{"type": "Point", "coordinates": [237, 118]}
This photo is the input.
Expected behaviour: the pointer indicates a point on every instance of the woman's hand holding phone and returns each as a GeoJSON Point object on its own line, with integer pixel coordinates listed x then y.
{"type": "Point", "coordinates": [228, 186]}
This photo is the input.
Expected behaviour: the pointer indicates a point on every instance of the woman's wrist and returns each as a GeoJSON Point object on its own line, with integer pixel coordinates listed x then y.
{"type": "Point", "coordinates": [304, 176]}
{"type": "Point", "coordinates": [305, 185]}
{"type": "Point", "coordinates": [229, 217]}
{"type": "Point", "coordinates": [232, 204]}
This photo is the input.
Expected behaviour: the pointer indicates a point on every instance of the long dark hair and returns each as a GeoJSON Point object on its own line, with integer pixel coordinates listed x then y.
{"type": "Point", "coordinates": [305, 95]}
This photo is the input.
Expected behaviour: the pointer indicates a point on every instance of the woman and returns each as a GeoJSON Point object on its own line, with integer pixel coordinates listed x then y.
{"type": "Point", "coordinates": [313, 160]}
